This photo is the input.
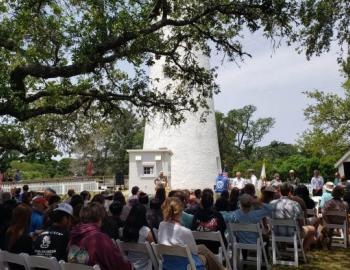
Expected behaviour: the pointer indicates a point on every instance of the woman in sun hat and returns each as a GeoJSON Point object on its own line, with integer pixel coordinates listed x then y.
{"type": "Point", "coordinates": [327, 195]}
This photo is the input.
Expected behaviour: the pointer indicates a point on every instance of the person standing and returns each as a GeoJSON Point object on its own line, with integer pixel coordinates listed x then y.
{"type": "Point", "coordinates": [292, 179]}
{"type": "Point", "coordinates": [317, 183]}
{"type": "Point", "coordinates": [238, 181]}
{"type": "Point", "coordinates": [161, 180]}
{"type": "Point", "coordinates": [276, 182]}
{"type": "Point", "coordinates": [222, 183]}
{"type": "Point", "coordinates": [337, 179]}
{"type": "Point", "coordinates": [253, 178]}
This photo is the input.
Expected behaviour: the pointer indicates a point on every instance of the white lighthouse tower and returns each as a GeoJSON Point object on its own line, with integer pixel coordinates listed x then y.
{"type": "Point", "coordinates": [187, 153]}
{"type": "Point", "coordinates": [195, 160]}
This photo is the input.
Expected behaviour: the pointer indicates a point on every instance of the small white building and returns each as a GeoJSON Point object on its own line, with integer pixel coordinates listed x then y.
{"type": "Point", "coordinates": [145, 166]}
{"type": "Point", "coordinates": [343, 165]}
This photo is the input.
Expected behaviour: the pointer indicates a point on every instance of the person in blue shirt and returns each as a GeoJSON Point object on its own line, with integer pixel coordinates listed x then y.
{"type": "Point", "coordinates": [327, 195]}
{"type": "Point", "coordinates": [222, 183]}
{"type": "Point", "coordinates": [39, 207]}
{"type": "Point", "coordinates": [247, 215]}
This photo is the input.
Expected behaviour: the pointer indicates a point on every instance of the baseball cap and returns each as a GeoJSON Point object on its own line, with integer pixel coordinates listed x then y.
{"type": "Point", "coordinates": [65, 207]}
{"type": "Point", "coordinates": [41, 200]}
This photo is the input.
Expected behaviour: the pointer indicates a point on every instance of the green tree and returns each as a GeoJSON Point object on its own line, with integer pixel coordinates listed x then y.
{"type": "Point", "coordinates": [62, 56]}
{"type": "Point", "coordinates": [239, 133]}
{"type": "Point", "coordinates": [275, 150]}
{"type": "Point", "coordinates": [105, 144]}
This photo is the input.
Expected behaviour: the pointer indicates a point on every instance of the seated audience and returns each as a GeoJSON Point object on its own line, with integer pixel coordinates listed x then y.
{"type": "Point", "coordinates": [144, 199]}
{"type": "Point", "coordinates": [233, 200]}
{"type": "Point", "coordinates": [134, 193]}
{"type": "Point", "coordinates": [136, 230]}
{"type": "Point", "coordinates": [39, 206]}
{"type": "Point", "coordinates": [303, 192]}
{"type": "Point", "coordinates": [77, 203]}
{"type": "Point", "coordinates": [285, 208]}
{"type": "Point", "coordinates": [53, 241]}
{"type": "Point", "coordinates": [171, 232]}
{"type": "Point", "coordinates": [86, 196]}
{"type": "Point", "coordinates": [88, 245]}
{"type": "Point", "coordinates": [335, 204]}
{"type": "Point", "coordinates": [70, 194]}
{"type": "Point", "coordinates": [186, 219]}
{"type": "Point", "coordinates": [154, 214]}
{"type": "Point", "coordinates": [111, 223]}
{"type": "Point", "coordinates": [17, 239]}
{"type": "Point", "coordinates": [207, 219]}
{"type": "Point", "coordinates": [327, 195]}
{"type": "Point", "coordinates": [346, 197]}
{"type": "Point", "coordinates": [119, 196]}
{"type": "Point", "coordinates": [223, 207]}
{"type": "Point", "coordinates": [252, 212]}
{"type": "Point", "coordinates": [160, 194]}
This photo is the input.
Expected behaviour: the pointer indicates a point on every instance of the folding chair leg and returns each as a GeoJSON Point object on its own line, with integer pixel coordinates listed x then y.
{"type": "Point", "coordinates": [258, 259]}
{"type": "Point", "coordinates": [234, 257]}
{"type": "Point", "coordinates": [274, 259]}
{"type": "Point", "coordinates": [265, 256]}
{"type": "Point", "coordinates": [296, 253]}
{"type": "Point", "coordinates": [302, 249]}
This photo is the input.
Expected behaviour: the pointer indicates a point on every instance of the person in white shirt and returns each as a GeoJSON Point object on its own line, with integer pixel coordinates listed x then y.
{"type": "Point", "coordinates": [171, 232]}
{"type": "Point", "coordinates": [137, 230]}
{"type": "Point", "coordinates": [253, 178]}
{"type": "Point", "coordinates": [238, 181]}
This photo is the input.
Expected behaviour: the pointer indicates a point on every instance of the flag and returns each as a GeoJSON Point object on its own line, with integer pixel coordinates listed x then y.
{"type": "Point", "coordinates": [89, 168]}
{"type": "Point", "coordinates": [263, 171]}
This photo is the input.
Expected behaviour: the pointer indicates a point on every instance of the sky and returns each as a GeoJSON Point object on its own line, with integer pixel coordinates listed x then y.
{"type": "Point", "coordinates": [273, 81]}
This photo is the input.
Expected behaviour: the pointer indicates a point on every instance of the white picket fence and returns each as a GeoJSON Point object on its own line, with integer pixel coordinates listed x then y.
{"type": "Point", "coordinates": [59, 187]}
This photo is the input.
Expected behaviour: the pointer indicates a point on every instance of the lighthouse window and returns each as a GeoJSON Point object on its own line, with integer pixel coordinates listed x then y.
{"type": "Point", "coordinates": [148, 170]}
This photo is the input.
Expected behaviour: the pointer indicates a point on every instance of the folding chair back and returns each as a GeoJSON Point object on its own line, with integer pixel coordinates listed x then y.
{"type": "Point", "coordinates": [343, 227]}
{"type": "Point", "coordinates": [144, 248]}
{"type": "Point", "coordinates": [215, 236]}
{"type": "Point", "coordinates": [311, 212]}
{"type": "Point", "coordinates": [294, 239]}
{"type": "Point", "coordinates": [261, 257]}
{"type": "Point", "coordinates": [43, 263]}
{"type": "Point", "coordinates": [179, 251]}
{"type": "Point", "coordinates": [77, 266]}
{"type": "Point", "coordinates": [9, 258]}
{"type": "Point", "coordinates": [155, 234]}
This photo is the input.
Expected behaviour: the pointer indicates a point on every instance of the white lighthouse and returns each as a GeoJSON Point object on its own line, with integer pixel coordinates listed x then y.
{"type": "Point", "coordinates": [194, 159]}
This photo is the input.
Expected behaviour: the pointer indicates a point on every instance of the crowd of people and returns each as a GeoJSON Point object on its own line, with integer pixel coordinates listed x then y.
{"type": "Point", "coordinates": [81, 229]}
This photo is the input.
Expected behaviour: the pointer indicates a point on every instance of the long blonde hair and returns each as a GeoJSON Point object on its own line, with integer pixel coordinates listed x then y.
{"type": "Point", "coordinates": [172, 209]}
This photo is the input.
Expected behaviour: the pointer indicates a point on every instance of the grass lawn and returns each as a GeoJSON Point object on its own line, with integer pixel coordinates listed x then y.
{"type": "Point", "coordinates": [335, 259]}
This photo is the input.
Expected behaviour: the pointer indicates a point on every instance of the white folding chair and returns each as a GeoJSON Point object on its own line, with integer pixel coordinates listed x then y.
{"type": "Point", "coordinates": [12, 258]}
{"type": "Point", "coordinates": [144, 248]}
{"type": "Point", "coordinates": [216, 237]}
{"type": "Point", "coordinates": [77, 266]}
{"type": "Point", "coordinates": [261, 257]}
{"type": "Point", "coordinates": [43, 263]}
{"type": "Point", "coordinates": [180, 251]}
{"type": "Point", "coordinates": [311, 212]}
{"type": "Point", "coordinates": [121, 230]}
{"type": "Point", "coordinates": [155, 233]}
{"type": "Point", "coordinates": [294, 239]}
{"type": "Point", "coordinates": [342, 227]}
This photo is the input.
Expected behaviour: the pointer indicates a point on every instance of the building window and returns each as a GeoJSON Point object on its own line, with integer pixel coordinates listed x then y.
{"type": "Point", "coordinates": [147, 170]}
